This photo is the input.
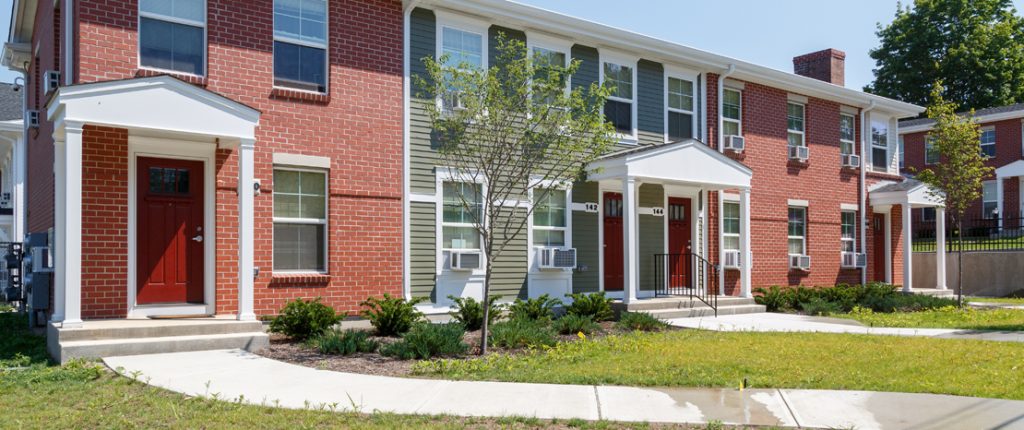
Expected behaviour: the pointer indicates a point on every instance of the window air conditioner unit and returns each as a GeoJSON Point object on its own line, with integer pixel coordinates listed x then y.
{"type": "Point", "coordinates": [465, 260]}
{"type": "Point", "coordinates": [51, 80]}
{"type": "Point", "coordinates": [799, 153]}
{"type": "Point", "coordinates": [854, 260]}
{"type": "Point", "coordinates": [800, 262]}
{"type": "Point", "coordinates": [556, 258]}
{"type": "Point", "coordinates": [851, 161]}
{"type": "Point", "coordinates": [735, 143]}
{"type": "Point", "coordinates": [32, 117]}
{"type": "Point", "coordinates": [41, 259]}
{"type": "Point", "coordinates": [731, 259]}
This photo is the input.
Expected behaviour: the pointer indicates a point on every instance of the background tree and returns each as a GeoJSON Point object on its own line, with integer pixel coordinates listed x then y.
{"type": "Point", "coordinates": [958, 177]}
{"type": "Point", "coordinates": [509, 133]}
{"type": "Point", "coordinates": [975, 47]}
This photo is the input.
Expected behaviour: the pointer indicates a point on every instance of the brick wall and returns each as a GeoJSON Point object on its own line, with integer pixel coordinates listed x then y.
{"type": "Point", "coordinates": [358, 125]}
{"type": "Point", "coordinates": [39, 179]}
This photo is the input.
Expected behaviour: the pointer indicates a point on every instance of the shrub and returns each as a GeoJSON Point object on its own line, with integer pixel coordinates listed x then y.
{"type": "Point", "coordinates": [775, 299]}
{"type": "Point", "coordinates": [521, 333]}
{"type": "Point", "coordinates": [470, 313]}
{"type": "Point", "coordinates": [392, 316]}
{"type": "Point", "coordinates": [301, 320]}
{"type": "Point", "coordinates": [572, 324]}
{"type": "Point", "coordinates": [640, 321]}
{"type": "Point", "coordinates": [819, 306]}
{"type": "Point", "coordinates": [425, 340]}
{"type": "Point", "coordinates": [540, 308]}
{"type": "Point", "coordinates": [348, 342]}
{"type": "Point", "coordinates": [595, 305]}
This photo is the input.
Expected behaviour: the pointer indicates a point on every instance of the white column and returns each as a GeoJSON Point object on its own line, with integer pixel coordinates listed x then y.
{"type": "Point", "coordinates": [18, 190]}
{"type": "Point", "coordinates": [940, 248]}
{"type": "Point", "coordinates": [246, 229]}
{"type": "Point", "coordinates": [630, 223]}
{"type": "Point", "coordinates": [745, 253]}
{"type": "Point", "coordinates": [908, 248]}
{"type": "Point", "coordinates": [999, 201]}
{"type": "Point", "coordinates": [68, 196]}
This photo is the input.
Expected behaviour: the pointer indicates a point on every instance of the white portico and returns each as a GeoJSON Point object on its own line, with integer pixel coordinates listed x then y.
{"type": "Point", "coordinates": [910, 194]}
{"type": "Point", "coordinates": [1012, 171]}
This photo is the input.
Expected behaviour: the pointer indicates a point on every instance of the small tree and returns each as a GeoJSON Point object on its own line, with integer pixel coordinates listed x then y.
{"type": "Point", "coordinates": [958, 177]}
{"type": "Point", "coordinates": [507, 133]}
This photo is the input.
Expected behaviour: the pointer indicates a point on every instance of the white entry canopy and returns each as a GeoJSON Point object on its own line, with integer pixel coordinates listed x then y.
{"type": "Point", "coordinates": [688, 161]}
{"type": "Point", "coordinates": [155, 103]}
{"type": "Point", "coordinates": [1015, 168]}
{"type": "Point", "coordinates": [911, 191]}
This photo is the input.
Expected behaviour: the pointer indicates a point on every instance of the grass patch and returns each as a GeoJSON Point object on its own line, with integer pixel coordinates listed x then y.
{"type": "Point", "coordinates": [693, 358]}
{"type": "Point", "coordinates": [1000, 300]}
{"type": "Point", "coordinates": [947, 317]}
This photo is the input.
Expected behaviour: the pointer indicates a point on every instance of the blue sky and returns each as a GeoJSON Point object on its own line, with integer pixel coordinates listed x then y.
{"type": "Point", "coordinates": [769, 33]}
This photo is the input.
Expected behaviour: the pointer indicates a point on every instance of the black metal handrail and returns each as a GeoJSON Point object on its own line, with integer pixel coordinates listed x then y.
{"type": "Point", "coordinates": [687, 275]}
{"type": "Point", "coordinates": [980, 234]}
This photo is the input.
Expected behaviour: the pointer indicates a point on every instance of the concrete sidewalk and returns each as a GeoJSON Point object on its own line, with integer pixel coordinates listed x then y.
{"type": "Point", "coordinates": [234, 374]}
{"type": "Point", "coordinates": [774, 322]}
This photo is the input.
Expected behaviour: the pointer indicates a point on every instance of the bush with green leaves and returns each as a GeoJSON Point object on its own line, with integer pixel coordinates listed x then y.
{"type": "Point", "coordinates": [538, 308]}
{"type": "Point", "coordinates": [426, 340]}
{"type": "Point", "coordinates": [392, 316]}
{"type": "Point", "coordinates": [348, 342]}
{"type": "Point", "coordinates": [470, 313]}
{"type": "Point", "coordinates": [640, 321]}
{"type": "Point", "coordinates": [818, 306]}
{"type": "Point", "coordinates": [302, 319]}
{"type": "Point", "coordinates": [595, 305]}
{"type": "Point", "coordinates": [573, 324]}
{"type": "Point", "coordinates": [521, 333]}
{"type": "Point", "coordinates": [879, 297]}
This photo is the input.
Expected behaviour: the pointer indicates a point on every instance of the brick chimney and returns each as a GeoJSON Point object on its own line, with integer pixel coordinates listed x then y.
{"type": "Point", "coordinates": [828, 65]}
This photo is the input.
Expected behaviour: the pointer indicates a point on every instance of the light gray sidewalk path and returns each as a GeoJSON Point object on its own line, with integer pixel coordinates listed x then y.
{"type": "Point", "coordinates": [234, 374]}
{"type": "Point", "coordinates": [803, 323]}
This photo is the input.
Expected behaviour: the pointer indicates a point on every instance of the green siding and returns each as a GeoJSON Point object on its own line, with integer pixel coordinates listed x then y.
{"type": "Point", "coordinates": [509, 274]}
{"type": "Point", "coordinates": [652, 233]}
{"type": "Point", "coordinates": [584, 239]}
{"type": "Point", "coordinates": [422, 248]}
{"type": "Point", "coordinates": [492, 41]}
{"type": "Point", "coordinates": [589, 70]}
{"type": "Point", "coordinates": [423, 158]}
{"type": "Point", "coordinates": [650, 102]}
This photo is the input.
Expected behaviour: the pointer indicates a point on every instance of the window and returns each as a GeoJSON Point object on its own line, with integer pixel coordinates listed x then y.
{"type": "Point", "coordinates": [797, 230]}
{"type": "Point", "coordinates": [848, 235]}
{"type": "Point", "coordinates": [989, 199]}
{"type": "Point", "coordinates": [988, 142]}
{"type": "Point", "coordinates": [549, 217]}
{"type": "Point", "coordinates": [618, 109]}
{"type": "Point", "coordinates": [460, 218]}
{"type": "Point", "coordinates": [931, 154]}
{"type": "Point", "coordinates": [172, 35]}
{"type": "Point", "coordinates": [548, 61]}
{"type": "Point", "coordinates": [928, 214]}
{"type": "Point", "coordinates": [795, 124]}
{"type": "Point", "coordinates": [847, 135]}
{"type": "Point", "coordinates": [300, 220]}
{"type": "Point", "coordinates": [680, 109]}
{"type": "Point", "coordinates": [880, 146]}
{"type": "Point", "coordinates": [731, 226]}
{"type": "Point", "coordinates": [732, 111]}
{"type": "Point", "coordinates": [900, 151]}
{"type": "Point", "coordinates": [300, 44]}
{"type": "Point", "coordinates": [464, 49]}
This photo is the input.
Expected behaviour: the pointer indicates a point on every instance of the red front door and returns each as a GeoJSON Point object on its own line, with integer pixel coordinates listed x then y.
{"type": "Point", "coordinates": [170, 231]}
{"type": "Point", "coordinates": [613, 280]}
{"type": "Point", "coordinates": [878, 231]}
{"type": "Point", "coordinates": [679, 242]}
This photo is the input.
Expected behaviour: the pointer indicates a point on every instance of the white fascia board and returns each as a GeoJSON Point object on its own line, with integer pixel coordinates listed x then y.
{"type": "Point", "coordinates": [302, 160]}
{"type": "Point", "coordinates": [981, 119]}
{"type": "Point", "coordinates": [541, 39]}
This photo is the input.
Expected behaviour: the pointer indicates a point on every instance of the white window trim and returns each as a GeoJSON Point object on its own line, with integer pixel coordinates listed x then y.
{"type": "Point", "coordinates": [803, 121]}
{"type": "Point", "coordinates": [310, 221]}
{"type": "Point", "coordinates": [541, 41]}
{"type": "Point", "coordinates": [157, 16]}
{"type": "Point", "coordinates": [888, 144]}
{"type": "Point", "coordinates": [325, 46]}
{"type": "Point", "coordinates": [442, 175]}
{"type": "Point", "coordinates": [982, 144]}
{"type": "Point", "coordinates": [901, 152]}
{"type": "Point", "coordinates": [567, 230]}
{"type": "Point", "coordinates": [609, 57]}
{"type": "Point", "coordinates": [927, 144]}
{"type": "Point", "coordinates": [803, 238]}
{"type": "Point", "coordinates": [446, 19]}
{"type": "Point", "coordinates": [853, 142]}
{"type": "Point", "coordinates": [842, 239]}
{"type": "Point", "coordinates": [687, 75]}
{"type": "Point", "coordinates": [995, 185]}
{"type": "Point", "coordinates": [724, 234]}
{"type": "Point", "coordinates": [739, 122]}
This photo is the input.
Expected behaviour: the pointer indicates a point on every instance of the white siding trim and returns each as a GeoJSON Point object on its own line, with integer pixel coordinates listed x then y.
{"type": "Point", "coordinates": [299, 160]}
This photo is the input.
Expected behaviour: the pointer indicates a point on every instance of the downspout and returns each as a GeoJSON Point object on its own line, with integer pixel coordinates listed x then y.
{"type": "Point", "coordinates": [864, 189]}
{"type": "Point", "coordinates": [406, 189]}
{"type": "Point", "coordinates": [721, 104]}
{"type": "Point", "coordinates": [68, 15]}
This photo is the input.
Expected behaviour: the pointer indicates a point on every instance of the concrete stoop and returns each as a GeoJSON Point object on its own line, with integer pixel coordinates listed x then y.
{"type": "Point", "coordinates": [112, 338]}
{"type": "Point", "coordinates": [934, 292]}
{"type": "Point", "coordinates": [683, 307]}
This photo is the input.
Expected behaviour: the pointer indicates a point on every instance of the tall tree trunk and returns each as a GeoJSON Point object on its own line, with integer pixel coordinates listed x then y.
{"type": "Point", "coordinates": [485, 329]}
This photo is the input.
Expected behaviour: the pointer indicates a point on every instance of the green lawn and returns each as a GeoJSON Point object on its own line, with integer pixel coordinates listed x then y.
{"type": "Point", "coordinates": [694, 358]}
{"type": "Point", "coordinates": [967, 318]}
{"type": "Point", "coordinates": [1001, 300]}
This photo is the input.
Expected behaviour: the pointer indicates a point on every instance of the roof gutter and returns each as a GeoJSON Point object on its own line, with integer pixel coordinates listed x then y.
{"type": "Point", "coordinates": [864, 127]}
{"type": "Point", "coordinates": [721, 104]}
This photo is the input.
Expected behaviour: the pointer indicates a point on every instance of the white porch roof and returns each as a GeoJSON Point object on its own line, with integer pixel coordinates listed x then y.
{"type": "Point", "coordinates": [688, 162]}
{"type": "Point", "coordinates": [911, 191]}
{"type": "Point", "coordinates": [1015, 168]}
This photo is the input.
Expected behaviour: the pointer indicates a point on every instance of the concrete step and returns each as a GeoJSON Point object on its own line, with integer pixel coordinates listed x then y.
{"type": "Point", "coordinates": [249, 341]}
{"type": "Point", "coordinates": [705, 311]}
{"type": "Point", "coordinates": [665, 303]}
{"type": "Point", "coordinates": [127, 329]}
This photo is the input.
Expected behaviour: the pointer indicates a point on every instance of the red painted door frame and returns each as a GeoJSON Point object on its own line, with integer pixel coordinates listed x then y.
{"type": "Point", "coordinates": [613, 245]}
{"type": "Point", "coordinates": [169, 234]}
{"type": "Point", "coordinates": [878, 230]}
{"type": "Point", "coordinates": [680, 244]}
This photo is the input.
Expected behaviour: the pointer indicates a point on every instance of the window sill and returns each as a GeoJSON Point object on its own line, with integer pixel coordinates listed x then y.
{"type": "Point", "coordinates": [300, 279]}
{"type": "Point", "coordinates": [143, 72]}
{"type": "Point", "coordinates": [300, 95]}
{"type": "Point", "coordinates": [801, 164]}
